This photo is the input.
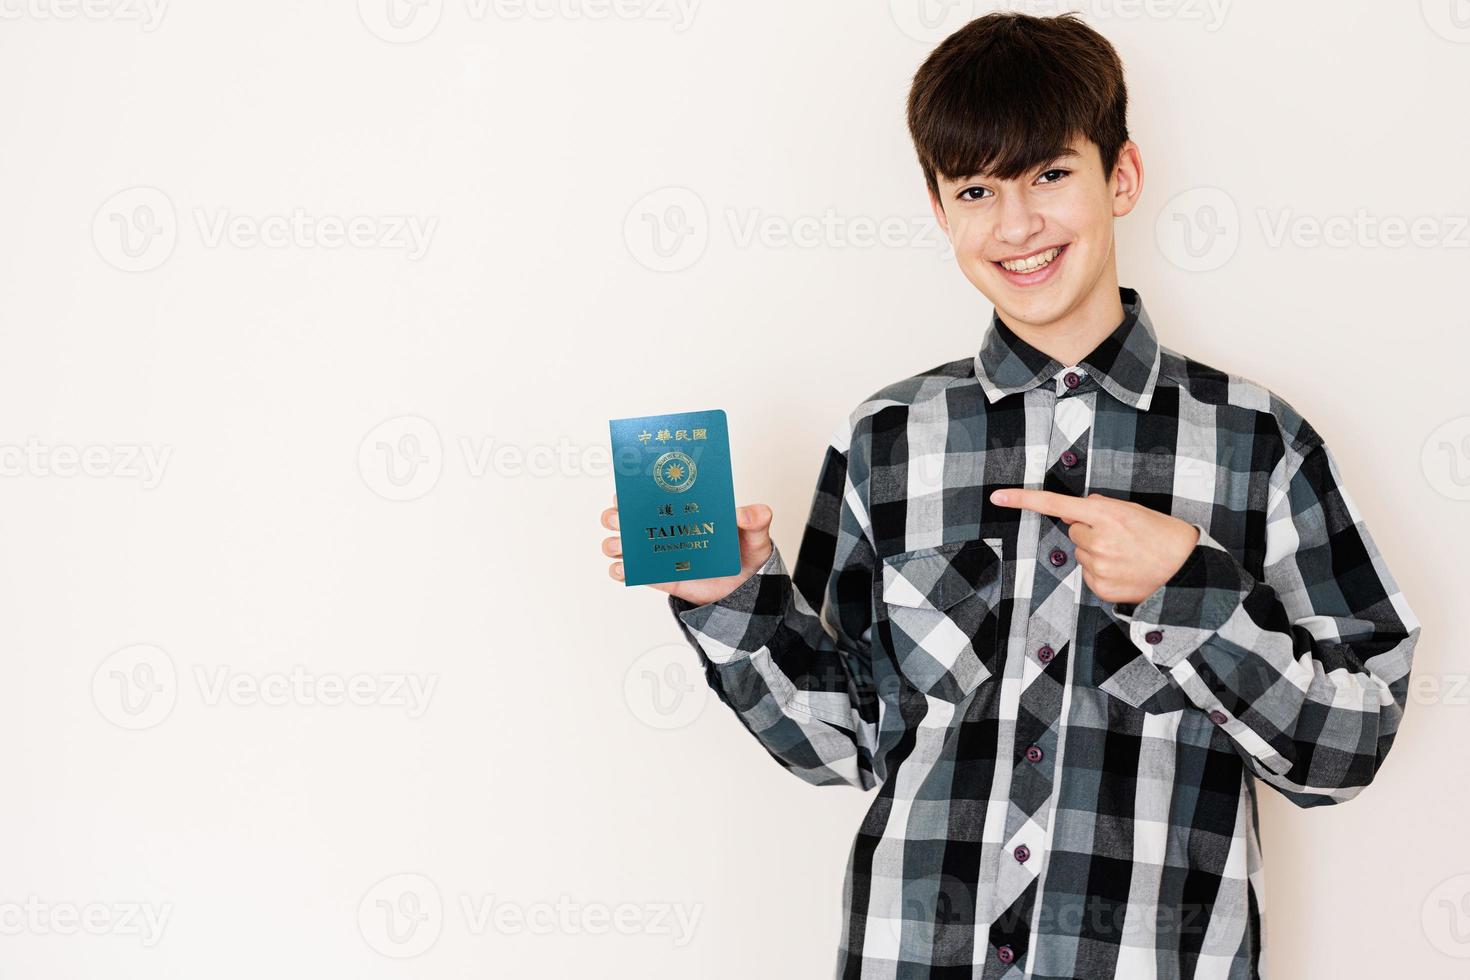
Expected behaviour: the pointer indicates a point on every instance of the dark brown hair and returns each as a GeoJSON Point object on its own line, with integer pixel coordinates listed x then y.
{"type": "Point", "coordinates": [1008, 91]}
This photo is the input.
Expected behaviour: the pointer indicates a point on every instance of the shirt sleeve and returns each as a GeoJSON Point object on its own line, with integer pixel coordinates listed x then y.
{"type": "Point", "coordinates": [790, 654]}
{"type": "Point", "coordinates": [1307, 668]}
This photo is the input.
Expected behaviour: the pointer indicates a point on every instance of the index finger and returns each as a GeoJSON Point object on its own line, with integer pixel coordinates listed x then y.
{"type": "Point", "coordinates": [1065, 506]}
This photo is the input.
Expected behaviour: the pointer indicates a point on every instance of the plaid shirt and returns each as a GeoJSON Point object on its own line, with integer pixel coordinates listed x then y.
{"type": "Point", "coordinates": [1067, 786]}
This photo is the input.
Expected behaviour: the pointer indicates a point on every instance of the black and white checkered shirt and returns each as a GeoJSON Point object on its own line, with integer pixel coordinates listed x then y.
{"type": "Point", "coordinates": [1066, 786]}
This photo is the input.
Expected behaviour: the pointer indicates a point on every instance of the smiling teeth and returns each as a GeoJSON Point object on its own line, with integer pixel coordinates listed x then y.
{"type": "Point", "coordinates": [1033, 263]}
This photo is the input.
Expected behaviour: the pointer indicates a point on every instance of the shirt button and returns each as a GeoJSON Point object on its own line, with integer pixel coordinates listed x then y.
{"type": "Point", "coordinates": [1045, 654]}
{"type": "Point", "coordinates": [1219, 717]}
{"type": "Point", "coordinates": [1072, 379]}
{"type": "Point", "coordinates": [1033, 754]}
{"type": "Point", "coordinates": [1058, 557]}
{"type": "Point", "coordinates": [1022, 852]}
{"type": "Point", "coordinates": [1005, 954]}
{"type": "Point", "coordinates": [1154, 636]}
{"type": "Point", "coordinates": [1069, 458]}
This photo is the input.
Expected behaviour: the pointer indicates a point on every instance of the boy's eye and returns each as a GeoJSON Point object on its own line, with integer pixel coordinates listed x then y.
{"type": "Point", "coordinates": [972, 193]}
{"type": "Point", "coordinates": [1060, 174]}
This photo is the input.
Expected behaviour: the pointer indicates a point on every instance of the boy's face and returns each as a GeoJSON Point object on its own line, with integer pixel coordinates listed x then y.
{"type": "Point", "coordinates": [1065, 204]}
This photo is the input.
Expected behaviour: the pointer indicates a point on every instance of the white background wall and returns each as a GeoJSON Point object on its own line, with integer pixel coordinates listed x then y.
{"type": "Point", "coordinates": [170, 630]}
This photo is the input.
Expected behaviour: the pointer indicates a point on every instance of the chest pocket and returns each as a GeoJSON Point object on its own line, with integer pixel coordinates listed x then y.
{"type": "Point", "coordinates": [939, 610]}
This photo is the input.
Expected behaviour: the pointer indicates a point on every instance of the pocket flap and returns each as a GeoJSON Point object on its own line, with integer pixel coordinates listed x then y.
{"type": "Point", "coordinates": [1123, 671]}
{"type": "Point", "coordinates": [1135, 682]}
{"type": "Point", "coordinates": [939, 577]}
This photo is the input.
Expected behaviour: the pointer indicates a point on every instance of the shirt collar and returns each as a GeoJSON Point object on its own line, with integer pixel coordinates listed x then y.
{"type": "Point", "coordinates": [1125, 363]}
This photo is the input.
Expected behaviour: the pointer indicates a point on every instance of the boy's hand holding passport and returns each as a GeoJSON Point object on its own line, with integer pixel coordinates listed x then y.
{"type": "Point", "coordinates": [674, 508]}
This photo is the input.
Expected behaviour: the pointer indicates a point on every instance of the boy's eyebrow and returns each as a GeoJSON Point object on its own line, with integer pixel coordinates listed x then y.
{"type": "Point", "coordinates": [1065, 154]}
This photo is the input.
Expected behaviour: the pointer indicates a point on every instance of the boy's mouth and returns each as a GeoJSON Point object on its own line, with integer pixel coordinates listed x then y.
{"type": "Point", "coordinates": [1034, 268]}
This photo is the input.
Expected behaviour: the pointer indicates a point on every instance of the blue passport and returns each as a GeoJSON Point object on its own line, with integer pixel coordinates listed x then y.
{"type": "Point", "coordinates": [676, 497]}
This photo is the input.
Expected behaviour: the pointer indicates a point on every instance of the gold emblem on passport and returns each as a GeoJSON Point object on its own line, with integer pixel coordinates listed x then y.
{"type": "Point", "coordinates": [674, 471]}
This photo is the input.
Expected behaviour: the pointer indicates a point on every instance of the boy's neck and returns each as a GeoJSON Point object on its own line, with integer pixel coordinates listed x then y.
{"type": "Point", "coordinates": [1076, 334]}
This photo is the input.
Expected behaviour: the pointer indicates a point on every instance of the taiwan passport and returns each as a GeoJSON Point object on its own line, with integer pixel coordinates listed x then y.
{"type": "Point", "coordinates": [676, 497]}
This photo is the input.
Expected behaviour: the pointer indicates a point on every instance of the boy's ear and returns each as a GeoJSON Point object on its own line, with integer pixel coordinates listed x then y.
{"type": "Point", "coordinates": [1129, 176]}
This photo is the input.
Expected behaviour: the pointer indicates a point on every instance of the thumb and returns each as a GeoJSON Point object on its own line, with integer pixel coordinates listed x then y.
{"type": "Point", "coordinates": [754, 521]}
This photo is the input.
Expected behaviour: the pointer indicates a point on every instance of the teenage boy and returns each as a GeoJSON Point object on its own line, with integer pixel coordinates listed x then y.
{"type": "Point", "coordinates": [1064, 601]}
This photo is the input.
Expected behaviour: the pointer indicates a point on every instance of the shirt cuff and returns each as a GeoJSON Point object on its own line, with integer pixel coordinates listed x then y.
{"type": "Point", "coordinates": [1181, 615]}
{"type": "Point", "coordinates": [744, 620]}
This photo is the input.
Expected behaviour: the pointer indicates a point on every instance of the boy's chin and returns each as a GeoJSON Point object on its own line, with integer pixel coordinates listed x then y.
{"type": "Point", "coordinates": [1031, 304]}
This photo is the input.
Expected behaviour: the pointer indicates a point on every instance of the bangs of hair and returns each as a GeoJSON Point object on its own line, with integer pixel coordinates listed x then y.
{"type": "Point", "coordinates": [1008, 92]}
